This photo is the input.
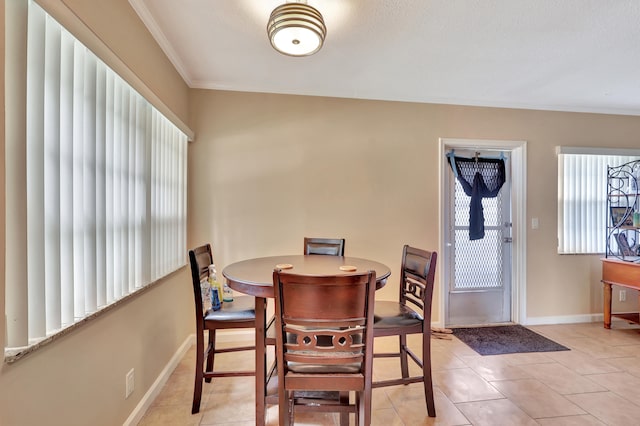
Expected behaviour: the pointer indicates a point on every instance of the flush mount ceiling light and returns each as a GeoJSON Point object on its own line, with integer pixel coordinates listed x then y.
{"type": "Point", "coordinates": [296, 29]}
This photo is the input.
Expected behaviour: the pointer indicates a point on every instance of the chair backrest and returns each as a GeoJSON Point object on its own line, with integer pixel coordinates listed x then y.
{"type": "Point", "coordinates": [200, 258]}
{"type": "Point", "coordinates": [325, 321]}
{"type": "Point", "coordinates": [326, 246]}
{"type": "Point", "coordinates": [417, 276]}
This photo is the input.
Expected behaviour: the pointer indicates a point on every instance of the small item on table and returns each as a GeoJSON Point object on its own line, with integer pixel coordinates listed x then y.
{"type": "Point", "coordinates": [215, 299]}
{"type": "Point", "coordinates": [284, 266]}
{"type": "Point", "coordinates": [348, 268]}
{"type": "Point", "coordinates": [205, 290]}
{"type": "Point", "coordinates": [216, 288]}
{"type": "Point", "coordinates": [227, 293]}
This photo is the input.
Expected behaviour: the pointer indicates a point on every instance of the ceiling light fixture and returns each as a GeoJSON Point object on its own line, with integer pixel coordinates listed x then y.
{"type": "Point", "coordinates": [296, 29]}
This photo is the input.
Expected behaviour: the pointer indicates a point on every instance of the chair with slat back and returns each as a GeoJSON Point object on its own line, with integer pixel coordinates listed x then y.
{"type": "Point", "coordinates": [237, 314]}
{"type": "Point", "coordinates": [410, 315]}
{"type": "Point", "coordinates": [326, 246]}
{"type": "Point", "coordinates": [322, 346]}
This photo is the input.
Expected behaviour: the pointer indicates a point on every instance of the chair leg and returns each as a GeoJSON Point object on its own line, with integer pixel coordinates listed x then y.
{"type": "Point", "coordinates": [426, 374]}
{"type": "Point", "coordinates": [364, 409]}
{"type": "Point", "coordinates": [344, 416]}
{"type": "Point", "coordinates": [404, 365]}
{"type": "Point", "coordinates": [211, 353]}
{"type": "Point", "coordinates": [285, 407]}
{"type": "Point", "coordinates": [197, 386]}
{"type": "Point", "coordinates": [292, 411]}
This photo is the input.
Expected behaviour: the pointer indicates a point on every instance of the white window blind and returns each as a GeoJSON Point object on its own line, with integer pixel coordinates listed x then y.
{"type": "Point", "coordinates": [582, 196]}
{"type": "Point", "coordinates": [106, 186]}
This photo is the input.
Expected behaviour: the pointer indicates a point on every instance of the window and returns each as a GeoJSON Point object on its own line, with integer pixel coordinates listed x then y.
{"type": "Point", "coordinates": [582, 196]}
{"type": "Point", "coordinates": [105, 188]}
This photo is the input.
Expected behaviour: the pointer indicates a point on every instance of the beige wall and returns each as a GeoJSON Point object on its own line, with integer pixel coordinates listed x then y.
{"type": "Point", "coordinates": [79, 379]}
{"type": "Point", "coordinates": [267, 170]}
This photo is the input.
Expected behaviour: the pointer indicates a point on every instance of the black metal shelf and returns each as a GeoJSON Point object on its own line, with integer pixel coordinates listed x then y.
{"type": "Point", "coordinates": [623, 200]}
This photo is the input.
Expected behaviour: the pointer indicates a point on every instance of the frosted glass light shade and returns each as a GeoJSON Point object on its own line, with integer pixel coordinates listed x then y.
{"type": "Point", "coordinates": [296, 29]}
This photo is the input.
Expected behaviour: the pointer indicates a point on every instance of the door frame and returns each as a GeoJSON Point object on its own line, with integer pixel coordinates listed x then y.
{"type": "Point", "coordinates": [518, 160]}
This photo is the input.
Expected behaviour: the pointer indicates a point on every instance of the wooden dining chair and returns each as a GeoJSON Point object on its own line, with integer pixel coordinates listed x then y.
{"type": "Point", "coordinates": [410, 315]}
{"type": "Point", "coordinates": [237, 314]}
{"type": "Point", "coordinates": [324, 342]}
{"type": "Point", "coordinates": [326, 246]}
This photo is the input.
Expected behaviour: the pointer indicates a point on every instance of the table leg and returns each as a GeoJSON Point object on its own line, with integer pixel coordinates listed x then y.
{"type": "Point", "coordinates": [261, 362]}
{"type": "Point", "coordinates": [607, 305]}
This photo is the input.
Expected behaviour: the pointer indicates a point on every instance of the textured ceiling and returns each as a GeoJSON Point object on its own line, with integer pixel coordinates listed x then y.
{"type": "Point", "coordinates": [566, 55]}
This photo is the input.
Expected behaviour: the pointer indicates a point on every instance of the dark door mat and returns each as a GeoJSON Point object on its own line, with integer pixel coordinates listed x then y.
{"type": "Point", "coordinates": [505, 339]}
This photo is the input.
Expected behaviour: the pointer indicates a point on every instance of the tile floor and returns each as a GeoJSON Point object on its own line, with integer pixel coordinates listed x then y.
{"type": "Point", "coordinates": [596, 383]}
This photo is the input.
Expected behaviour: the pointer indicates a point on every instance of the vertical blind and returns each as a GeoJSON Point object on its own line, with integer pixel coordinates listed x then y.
{"type": "Point", "coordinates": [106, 185]}
{"type": "Point", "coordinates": [582, 197]}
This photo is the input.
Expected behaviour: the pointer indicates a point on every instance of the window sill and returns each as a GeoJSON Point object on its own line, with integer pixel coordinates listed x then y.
{"type": "Point", "coordinates": [12, 355]}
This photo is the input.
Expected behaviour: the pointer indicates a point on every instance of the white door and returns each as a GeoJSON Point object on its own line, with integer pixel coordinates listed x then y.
{"type": "Point", "coordinates": [478, 288]}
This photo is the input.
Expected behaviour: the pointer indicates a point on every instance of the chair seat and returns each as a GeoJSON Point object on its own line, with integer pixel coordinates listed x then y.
{"type": "Point", "coordinates": [323, 368]}
{"type": "Point", "coordinates": [388, 314]}
{"type": "Point", "coordinates": [241, 309]}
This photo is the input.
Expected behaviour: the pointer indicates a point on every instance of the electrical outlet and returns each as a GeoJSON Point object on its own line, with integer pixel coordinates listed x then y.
{"type": "Point", "coordinates": [623, 295]}
{"type": "Point", "coordinates": [129, 383]}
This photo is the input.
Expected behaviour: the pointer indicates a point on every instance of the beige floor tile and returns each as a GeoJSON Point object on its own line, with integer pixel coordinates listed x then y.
{"type": "Point", "coordinates": [177, 391]}
{"type": "Point", "coordinates": [620, 334]}
{"type": "Point", "coordinates": [445, 359]}
{"type": "Point", "coordinates": [385, 417]}
{"type": "Point", "coordinates": [410, 405]}
{"type": "Point", "coordinates": [536, 398]}
{"type": "Point", "coordinates": [563, 380]}
{"type": "Point", "coordinates": [380, 400]}
{"type": "Point", "coordinates": [558, 332]}
{"type": "Point", "coordinates": [495, 368]}
{"type": "Point", "coordinates": [320, 419]}
{"type": "Point", "coordinates": [461, 349]}
{"type": "Point", "coordinates": [608, 407]}
{"type": "Point", "coordinates": [582, 363]}
{"type": "Point", "coordinates": [623, 384]}
{"type": "Point", "coordinates": [221, 408]}
{"type": "Point", "coordinates": [583, 420]}
{"type": "Point", "coordinates": [170, 415]}
{"type": "Point", "coordinates": [629, 364]}
{"type": "Point", "coordinates": [495, 413]}
{"type": "Point", "coordinates": [244, 360]}
{"type": "Point", "coordinates": [600, 350]}
{"type": "Point", "coordinates": [389, 368]}
{"type": "Point", "coordinates": [464, 385]}
{"type": "Point", "coordinates": [526, 358]}
{"type": "Point", "coordinates": [231, 385]}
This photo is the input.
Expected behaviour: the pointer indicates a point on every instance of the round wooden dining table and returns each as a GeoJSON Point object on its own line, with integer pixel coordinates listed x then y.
{"type": "Point", "coordinates": [255, 277]}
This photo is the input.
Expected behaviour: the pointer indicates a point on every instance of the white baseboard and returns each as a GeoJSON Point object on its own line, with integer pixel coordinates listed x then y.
{"type": "Point", "coordinates": [155, 389]}
{"type": "Point", "coordinates": [565, 319]}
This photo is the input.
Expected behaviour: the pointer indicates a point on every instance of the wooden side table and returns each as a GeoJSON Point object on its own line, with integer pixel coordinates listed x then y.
{"type": "Point", "coordinates": [623, 274]}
